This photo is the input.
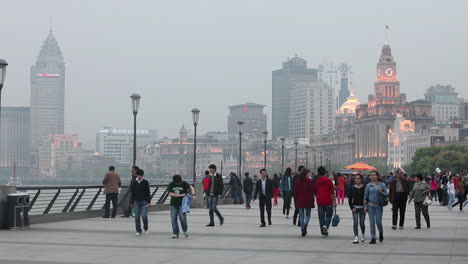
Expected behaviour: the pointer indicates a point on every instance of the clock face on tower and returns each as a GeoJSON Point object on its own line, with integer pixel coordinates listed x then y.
{"type": "Point", "coordinates": [389, 72]}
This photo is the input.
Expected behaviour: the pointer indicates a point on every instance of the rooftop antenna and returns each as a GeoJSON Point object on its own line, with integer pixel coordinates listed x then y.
{"type": "Point", "coordinates": [50, 26]}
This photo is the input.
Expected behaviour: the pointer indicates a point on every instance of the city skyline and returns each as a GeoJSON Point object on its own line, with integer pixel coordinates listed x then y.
{"type": "Point", "coordinates": [210, 77]}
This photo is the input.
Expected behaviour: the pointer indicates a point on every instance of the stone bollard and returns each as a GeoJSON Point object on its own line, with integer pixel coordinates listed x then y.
{"type": "Point", "coordinates": [198, 203]}
{"type": "Point", "coordinates": [4, 191]}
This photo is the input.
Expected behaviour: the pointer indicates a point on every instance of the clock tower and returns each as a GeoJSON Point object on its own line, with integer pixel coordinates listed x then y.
{"type": "Point", "coordinates": [387, 85]}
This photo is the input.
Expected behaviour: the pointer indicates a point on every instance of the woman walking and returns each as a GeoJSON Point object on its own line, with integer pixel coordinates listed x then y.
{"type": "Point", "coordinates": [304, 196]}
{"type": "Point", "coordinates": [451, 192]}
{"type": "Point", "coordinates": [356, 203]}
{"type": "Point", "coordinates": [374, 200]}
{"type": "Point", "coordinates": [340, 188]}
{"type": "Point", "coordinates": [286, 188]}
{"type": "Point", "coordinates": [276, 188]}
{"type": "Point", "coordinates": [434, 185]}
{"type": "Point", "coordinates": [460, 188]}
{"type": "Point", "coordinates": [419, 193]}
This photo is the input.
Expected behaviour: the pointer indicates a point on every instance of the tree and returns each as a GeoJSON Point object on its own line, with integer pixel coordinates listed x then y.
{"type": "Point", "coordinates": [447, 158]}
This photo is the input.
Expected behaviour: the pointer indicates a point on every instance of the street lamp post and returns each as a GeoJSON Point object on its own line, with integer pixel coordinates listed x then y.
{"type": "Point", "coordinates": [239, 170]}
{"type": "Point", "coordinates": [282, 154]}
{"type": "Point", "coordinates": [265, 139]}
{"type": "Point", "coordinates": [195, 116]}
{"type": "Point", "coordinates": [295, 164]}
{"type": "Point", "coordinates": [3, 65]}
{"type": "Point", "coordinates": [135, 105]}
{"type": "Point", "coordinates": [321, 163]}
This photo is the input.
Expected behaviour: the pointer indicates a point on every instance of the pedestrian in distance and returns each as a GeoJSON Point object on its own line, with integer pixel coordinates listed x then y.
{"type": "Point", "coordinates": [324, 192]}
{"type": "Point", "coordinates": [286, 187]}
{"type": "Point", "coordinates": [340, 187]}
{"type": "Point", "coordinates": [374, 200]}
{"type": "Point", "coordinates": [235, 188]}
{"type": "Point", "coordinates": [276, 188]}
{"type": "Point", "coordinates": [434, 183]}
{"type": "Point", "coordinates": [304, 196]}
{"type": "Point", "coordinates": [128, 208]}
{"type": "Point", "coordinates": [420, 191]}
{"type": "Point", "coordinates": [248, 190]}
{"type": "Point", "coordinates": [264, 190]}
{"type": "Point", "coordinates": [214, 193]}
{"type": "Point", "coordinates": [398, 197]}
{"type": "Point", "coordinates": [296, 210]}
{"type": "Point", "coordinates": [140, 200]}
{"type": "Point", "coordinates": [178, 189]}
{"type": "Point", "coordinates": [111, 184]}
{"type": "Point", "coordinates": [460, 192]}
{"type": "Point", "coordinates": [356, 204]}
{"type": "Point", "coordinates": [451, 191]}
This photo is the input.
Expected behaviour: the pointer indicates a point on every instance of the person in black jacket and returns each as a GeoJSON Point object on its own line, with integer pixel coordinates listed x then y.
{"type": "Point", "coordinates": [127, 204]}
{"type": "Point", "coordinates": [248, 190]}
{"type": "Point", "coordinates": [296, 210]}
{"type": "Point", "coordinates": [215, 191]}
{"type": "Point", "coordinates": [264, 188]}
{"type": "Point", "coordinates": [356, 204]}
{"type": "Point", "coordinates": [140, 201]}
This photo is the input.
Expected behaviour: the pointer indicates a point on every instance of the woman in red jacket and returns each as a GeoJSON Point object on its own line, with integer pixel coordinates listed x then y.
{"type": "Point", "coordinates": [340, 188]}
{"type": "Point", "coordinates": [304, 198]}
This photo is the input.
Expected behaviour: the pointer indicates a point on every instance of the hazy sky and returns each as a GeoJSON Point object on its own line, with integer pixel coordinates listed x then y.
{"type": "Point", "coordinates": [211, 54]}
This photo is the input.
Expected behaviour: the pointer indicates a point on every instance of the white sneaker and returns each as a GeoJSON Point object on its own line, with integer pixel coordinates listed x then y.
{"type": "Point", "coordinates": [356, 240]}
{"type": "Point", "coordinates": [363, 238]}
{"type": "Point", "coordinates": [138, 234]}
{"type": "Point", "coordinates": [147, 232]}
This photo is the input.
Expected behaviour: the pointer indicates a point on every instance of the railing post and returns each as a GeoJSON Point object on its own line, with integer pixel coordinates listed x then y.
{"type": "Point", "coordinates": [70, 202]}
{"type": "Point", "coordinates": [46, 211]}
{"type": "Point", "coordinates": [78, 200]}
{"type": "Point", "coordinates": [90, 206]}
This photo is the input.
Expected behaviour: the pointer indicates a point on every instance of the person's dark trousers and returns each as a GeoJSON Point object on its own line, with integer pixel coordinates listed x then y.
{"type": "Point", "coordinates": [434, 195]}
{"type": "Point", "coordinates": [286, 203]}
{"type": "Point", "coordinates": [264, 201]}
{"type": "Point", "coordinates": [325, 214]}
{"type": "Point", "coordinates": [418, 207]}
{"type": "Point", "coordinates": [359, 218]}
{"type": "Point", "coordinates": [399, 204]}
{"type": "Point", "coordinates": [212, 205]}
{"type": "Point", "coordinates": [296, 214]}
{"type": "Point", "coordinates": [114, 197]}
{"type": "Point", "coordinates": [460, 201]}
{"type": "Point", "coordinates": [444, 197]}
{"type": "Point", "coordinates": [248, 198]}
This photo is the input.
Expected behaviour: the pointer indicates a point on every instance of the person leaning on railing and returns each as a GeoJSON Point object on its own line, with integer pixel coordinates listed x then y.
{"type": "Point", "coordinates": [111, 184]}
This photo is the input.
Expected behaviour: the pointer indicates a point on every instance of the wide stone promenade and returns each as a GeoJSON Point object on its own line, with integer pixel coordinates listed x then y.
{"type": "Point", "coordinates": [239, 240]}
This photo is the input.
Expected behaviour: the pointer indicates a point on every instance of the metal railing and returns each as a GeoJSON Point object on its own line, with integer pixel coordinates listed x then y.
{"type": "Point", "coordinates": [68, 199]}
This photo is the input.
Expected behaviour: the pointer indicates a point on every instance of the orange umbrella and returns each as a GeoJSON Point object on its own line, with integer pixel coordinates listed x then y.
{"type": "Point", "coordinates": [360, 166]}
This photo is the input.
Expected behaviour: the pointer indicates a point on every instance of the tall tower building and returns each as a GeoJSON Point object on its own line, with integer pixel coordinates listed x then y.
{"type": "Point", "coordinates": [47, 93]}
{"type": "Point", "coordinates": [255, 121]}
{"type": "Point", "coordinates": [294, 74]}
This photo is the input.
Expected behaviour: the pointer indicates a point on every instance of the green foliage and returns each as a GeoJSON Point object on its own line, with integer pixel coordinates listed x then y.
{"type": "Point", "coordinates": [447, 158]}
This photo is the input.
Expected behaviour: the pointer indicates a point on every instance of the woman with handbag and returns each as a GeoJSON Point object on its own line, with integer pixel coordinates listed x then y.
{"type": "Point", "coordinates": [420, 194]}
{"type": "Point", "coordinates": [460, 190]}
{"type": "Point", "coordinates": [375, 198]}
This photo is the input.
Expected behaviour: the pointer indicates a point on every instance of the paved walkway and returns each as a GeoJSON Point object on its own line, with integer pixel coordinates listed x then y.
{"type": "Point", "coordinates": [239, 240]}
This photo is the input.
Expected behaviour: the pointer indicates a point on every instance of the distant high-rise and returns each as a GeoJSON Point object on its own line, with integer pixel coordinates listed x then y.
{"type": "Point", "coordinates": [255, 121]}
{"type": "Point", "coordinates": [15, 139]}
{"type": "Point", "coordinates": [445, 103]}
{"type": "Point", "coordinates": [293, 74]}
{"type": "Point", "coordinates": [338, 79]}
{"type": "Point", "coordinates": [47, 93]}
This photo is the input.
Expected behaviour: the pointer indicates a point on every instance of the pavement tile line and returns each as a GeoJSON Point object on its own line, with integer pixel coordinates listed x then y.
{"type": "Point", "coordinates": [250, 250]}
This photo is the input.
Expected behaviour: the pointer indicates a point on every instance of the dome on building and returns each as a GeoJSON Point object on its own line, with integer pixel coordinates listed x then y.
{"type": "Point", "coordinates": [349, 107]}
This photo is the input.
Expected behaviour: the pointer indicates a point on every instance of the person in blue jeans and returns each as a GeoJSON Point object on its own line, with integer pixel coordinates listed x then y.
{"type": "Point", "coordinates": [140, 200]}
{"type": "Point", "coordinates": [374, 196]}
{"type": "Point", "coordinates": [177, 190]}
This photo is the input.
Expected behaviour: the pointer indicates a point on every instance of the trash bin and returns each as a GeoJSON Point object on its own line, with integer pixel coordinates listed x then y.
{"type": "Point", "coordinates": [17, 211]}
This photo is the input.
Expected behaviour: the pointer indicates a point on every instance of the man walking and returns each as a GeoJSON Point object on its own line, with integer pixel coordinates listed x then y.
{"type": "Point", "coordinates": [398, 196]}
{"type": "Point", "coordinates": [234, 187]}
{"type": "Point", "coordinates": [324, 190]}
{"type": "Point", "coordinates": [296, 210]}
{"type": "Point", "coordinates": [215, 191]}
{"type": "Point", "coordinates": [248, 190]}
{"type": "Point", "coordinates": [111, 184]}
{"type": "Point", "coordinates": [264, 188]}
{"type": "Point", "coordinates": [140, 200]}
{"type": "Point", "coordinates": [127, 206]}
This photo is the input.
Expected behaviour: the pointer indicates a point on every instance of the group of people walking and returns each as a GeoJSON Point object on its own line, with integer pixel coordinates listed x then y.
{"type": "Point", "coordinates": [366, 196]}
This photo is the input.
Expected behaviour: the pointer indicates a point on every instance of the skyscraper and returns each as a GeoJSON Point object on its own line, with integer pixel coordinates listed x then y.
{"type": "Point", "coordinates": [293, 74]}
{"type": "Point", "coordinates": [338, 79]}
{"type": "Point", "coordinates": [47, 93]}
{"type": "Point", "coordinates": [255, 121]}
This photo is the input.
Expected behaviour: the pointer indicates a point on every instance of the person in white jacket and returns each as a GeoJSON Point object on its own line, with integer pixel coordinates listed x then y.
{"type": "Point", "coordinates": [451, 192]}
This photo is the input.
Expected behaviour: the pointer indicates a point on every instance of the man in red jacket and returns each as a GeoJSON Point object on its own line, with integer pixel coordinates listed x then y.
{"type": "Point", "coordinates": [324, 191]}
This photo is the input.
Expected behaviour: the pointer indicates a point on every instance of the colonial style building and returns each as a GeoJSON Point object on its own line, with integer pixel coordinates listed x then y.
{"type": "Point", "coordinates": [375, 119]}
